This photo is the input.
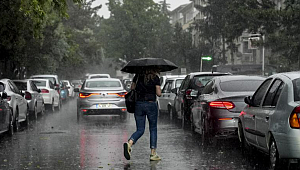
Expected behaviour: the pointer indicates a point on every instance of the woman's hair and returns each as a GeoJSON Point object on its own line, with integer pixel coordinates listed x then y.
{"type": "Point", "coordinates": [150, 74]}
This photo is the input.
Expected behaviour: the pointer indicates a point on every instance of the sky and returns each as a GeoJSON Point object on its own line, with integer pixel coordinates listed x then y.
{"type": "Point", "coordinates": [104, 11]}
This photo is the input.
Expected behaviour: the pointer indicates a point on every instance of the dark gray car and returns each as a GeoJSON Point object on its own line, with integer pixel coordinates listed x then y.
{"type": "Point", "coordinates": [103, 96]}
{"type": "Point", "coordinates": [215, 113]}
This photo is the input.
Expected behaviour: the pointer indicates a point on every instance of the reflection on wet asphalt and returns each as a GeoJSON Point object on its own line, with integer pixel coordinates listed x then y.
{"type": "Point", "coordinates": [57, 141]}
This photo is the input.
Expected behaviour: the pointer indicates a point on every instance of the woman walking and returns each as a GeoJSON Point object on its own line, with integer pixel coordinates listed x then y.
{"type": "Point", "coordinates": [147, 86]}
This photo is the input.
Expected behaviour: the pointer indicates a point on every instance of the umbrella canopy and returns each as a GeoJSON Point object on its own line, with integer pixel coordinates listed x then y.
{"type": "Point", "coordinates": [139, 65]}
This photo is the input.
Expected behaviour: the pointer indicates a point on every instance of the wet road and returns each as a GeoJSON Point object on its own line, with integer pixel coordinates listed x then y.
{"type": "Point", "coordinates": [57, 141]}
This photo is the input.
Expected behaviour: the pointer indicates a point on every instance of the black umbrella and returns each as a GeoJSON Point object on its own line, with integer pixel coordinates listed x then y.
{"type": "Point", "coordinates": [139, 65]}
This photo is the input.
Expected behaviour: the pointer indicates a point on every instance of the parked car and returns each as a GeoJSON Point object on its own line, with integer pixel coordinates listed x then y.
{"type": "Point", "coordinates": [53, 78]}
{"type": "Point", "coordinates": [50, 95]}
{"type": "Point", "coordinates": [6, 116]}
{"type": "Point", "coordinates": [215, 113]}
{"type": "Point", "coordinates": [103, 96]}
{"type": "Point", "coordinates": [95, 76]}
{"type": "Point", "coordinates": [32, 95]}
{"type": "Point", "coordinates": [188, 91]}
{"type": "Point", "coordinates": [271, 120]}
{"type": "Point", "coordinates": [17, 103]}
{"type": "Point", "coordinates": [69, 87]}
{"type": "Point", "coordinates": [164, 78]}
{"type": "Point", "coordinates": [64, 92]}
{"type": "Point", "coordinates": [166, 100]}
{"type": "Point", "coordinates": [76, 83]}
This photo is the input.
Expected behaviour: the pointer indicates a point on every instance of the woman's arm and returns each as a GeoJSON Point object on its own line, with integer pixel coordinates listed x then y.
{"type": "Point", "coordinates": [158, 90]}
{"type": "Point", "coordinates": [132, 85]}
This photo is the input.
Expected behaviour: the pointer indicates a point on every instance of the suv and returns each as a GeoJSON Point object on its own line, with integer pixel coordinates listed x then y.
{"type": "Point", "coordinates": [188, 91]}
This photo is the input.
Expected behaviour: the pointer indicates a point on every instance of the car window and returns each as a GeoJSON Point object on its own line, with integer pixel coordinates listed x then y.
{"type": "Point", "coordinates": [52, 79]}
{"type": "Point", "coordinates": [14, 88]}
{"type": "Point", "coordinates": [167, 87]}
{"type": "Point", "coordinates": [199, 82]}
{"type": "Point", "coordinates": [40, 83]}
{"type": "Point", "coordinates": [240, 85]}
{"type": "Point", "coordinates": [51, 85]}
{"type": "Point", "coordinates": [296, 87]}
{"type": "Point", "coordinates": [208, 88]}
{"type": "Point", "coordinates": [178, 83]}
{"type": "Point", "coordinates": [97, 84]}
{"type": "Point", "coordinates": [271, 93]}
{"type": "Point", "coordinates": [257, 97]}
{"type": "Point", "coordinates": [276, 97]}
{"type": "Point", "coordinates": [185, 83]}
{"type": "Point", "coordinates": [21, 85]}
{"type": "Point", "coordinates": [33, 86]}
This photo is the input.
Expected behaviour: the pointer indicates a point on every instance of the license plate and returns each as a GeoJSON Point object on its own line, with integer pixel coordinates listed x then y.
{"type": "Point", "coordinates": [101, 105]}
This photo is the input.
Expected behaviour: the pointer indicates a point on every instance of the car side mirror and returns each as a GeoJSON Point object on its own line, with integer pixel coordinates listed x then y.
{"type": "Point", "coordinates": [68, 87]}
{"type": "Point", "coordinates": [76, 90]}
{"type": "Point", "coordinates": [174, 90]}
{"type": "Point", "coordinates": [39, 90]}
{"type": "Point", "coordinates": [248, 100]}
{"type": "Point", "coordinates": [4, 95]}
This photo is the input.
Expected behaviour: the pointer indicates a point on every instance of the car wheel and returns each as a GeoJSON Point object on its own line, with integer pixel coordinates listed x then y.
{"type": "Point", "coordinates": [78, 115]}
{"type": "Point", "coordinates": [52, 107]}
{"type": "Point", "coordinates": [10, 128]}
{"type": "Point", "coordinates": [275, 162]}
{"type": "Point", "coordinates": [123, 115]}
{"type": "Point", "coordinates": [241, 137]}
{"type": "Point", "coordinates": [203, 131]}
{"type": "Point", "coordinates": [192, 123]}
{"type": "Point", "coordinates": [16, 122]}
{"type": "Point", "coordinates": [35, 113]}
{"type": "Point", "coordinates": [26, 122]}
{"type": "Point", "coordinates": [43, 109]}
{"type": "Point", "coordinates": [59, 105]}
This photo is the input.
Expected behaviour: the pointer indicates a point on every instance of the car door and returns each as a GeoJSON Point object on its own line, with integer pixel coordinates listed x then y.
{"type": "Point", "coordinates": [250, 112]}
{"type": "Point", "coordinates": [22, 103]}
{"type": "Point", "coordinates": [163, 100]}
{"type": "Point", "coordinates": [267, 110]}
{"type": "Point", "coordinates": [3, 113]}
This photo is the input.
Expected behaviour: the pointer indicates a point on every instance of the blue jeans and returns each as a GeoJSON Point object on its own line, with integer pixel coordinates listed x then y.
{"type": "Point", "coordinates": [143, 109]}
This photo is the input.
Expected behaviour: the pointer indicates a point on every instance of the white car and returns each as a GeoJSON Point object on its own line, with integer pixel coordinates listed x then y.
{"type": "Point", "coordinates": [70, 88]}
{"type": "Point", "coordinates": [95, 76]}
{"type": "Point", "coordinates": [164, 78]}
{"type": "Point", "coordinates": [50, 95]}
{"type": "Point", "coordinates": [17, 103]}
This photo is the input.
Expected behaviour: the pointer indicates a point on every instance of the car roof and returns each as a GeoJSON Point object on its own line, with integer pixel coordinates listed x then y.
{"type": "Point", "coordinates": [103, 79]}
{"type": "Point", "coordinates": [44, 75]}
{"type": "Point", "coordinates": [175, 78]}
{"type": "Point", "coordinates": [239, 77]}
{"type": "Point", "coordinates": [39, 79]}
{"type": "Point", "coordinates": [291, 75]}
{"type": "Point", "coordinates": [206, 73]}
{"type": "Point", "coordinates": [24, 80]}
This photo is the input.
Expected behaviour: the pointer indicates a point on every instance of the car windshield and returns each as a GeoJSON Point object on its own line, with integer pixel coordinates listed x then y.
{"type": "Point", "coordinates": [52, 79]}
{"type": "Point", "coordinates": [97, 84]}
{"type": "Point", "coordinates": [296, 85]}
{"type": "Point", "coordinates": [40, 83]}
{"type": "Point", "coordinates": [199, 82]}
{"type": "Point", "coordinates": [240, 85]}
{"type": "Point", "coordinates": [178, 83]}
{"type": "Point", "coordinates": [21, 85]}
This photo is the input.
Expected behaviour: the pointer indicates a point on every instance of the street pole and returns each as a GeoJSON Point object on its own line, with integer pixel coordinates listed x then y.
{"type": "Point", "coordinates": [201, 65]}
{"type": "Point", "coordinates": [263, 56]}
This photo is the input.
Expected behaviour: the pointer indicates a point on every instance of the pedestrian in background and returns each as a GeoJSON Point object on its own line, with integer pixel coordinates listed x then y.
{"type": "Point", "coordinates": [147, 86]}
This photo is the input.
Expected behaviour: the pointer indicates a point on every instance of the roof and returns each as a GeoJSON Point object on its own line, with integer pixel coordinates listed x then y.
{"type": "Point", "coordinates": [103, 79]}
{"type": "Point", "coordinates": [44, 75]}
{"type": "Point", "coordinates": [239, 77]}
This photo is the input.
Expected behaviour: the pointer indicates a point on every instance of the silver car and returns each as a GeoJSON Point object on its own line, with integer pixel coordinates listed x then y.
{"type": "Point", "coordinates": [271, 120]}
{"type": "Point", "coordinates": [17, 103]}
{"type": "Point", "coordinates": [166, 100]}
{"type": "Point", "coordinates": [102, 96]}
{"type": "Point", "coordinates": [33, 96]}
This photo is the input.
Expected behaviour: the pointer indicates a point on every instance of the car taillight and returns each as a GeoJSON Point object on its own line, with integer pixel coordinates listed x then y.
{"type": "Point", "coordinates": [122, 94]}
{"type": "Point", "coordinates": [295, 118]}
{"type": "Point", "coordinates": [85, 95]}
{"type": "Point", "coordinates": [221, 105]}
{"type": "Point", "coordinates": [188, 93]}
{"type": "Point", "coordinates": [79, 86]}
{"type": "Point", "coordinates": [28, 96]}
{"type": "Point", "coordinates": [44, 91]}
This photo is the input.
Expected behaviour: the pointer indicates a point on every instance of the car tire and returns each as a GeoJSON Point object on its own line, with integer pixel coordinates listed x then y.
{"type": "Point", "coordinates": [79, 116]}
{"type": "Point", "coordinates": [192, 123]}
{"type": "Point", "coordinates": [59, 105]}
{"type": "Point", "coordinates": [26, 122]}
{"type": "Point", "coordinates": [10, 128]}
{"type": "Point", "coordinates": [43, 109]}
{"type": "Point", "coordinates": [243, 143]}
{"type": "Point", "coordinates": [35, 112]}
{"type": "Point", "coordinates": [16, 122]}
{"type": "Point", "coordinates": [275, 161]}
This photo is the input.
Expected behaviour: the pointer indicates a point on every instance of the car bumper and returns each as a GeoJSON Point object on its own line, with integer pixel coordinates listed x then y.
{"type": "Point", "coordinates": [288, 145]}
{"type": "Point", "coordinates": [102, 108]}
{"type": "Point", "coordinates": [47, 99]}
{"type": "Point", "coordinates": [225, 127]}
